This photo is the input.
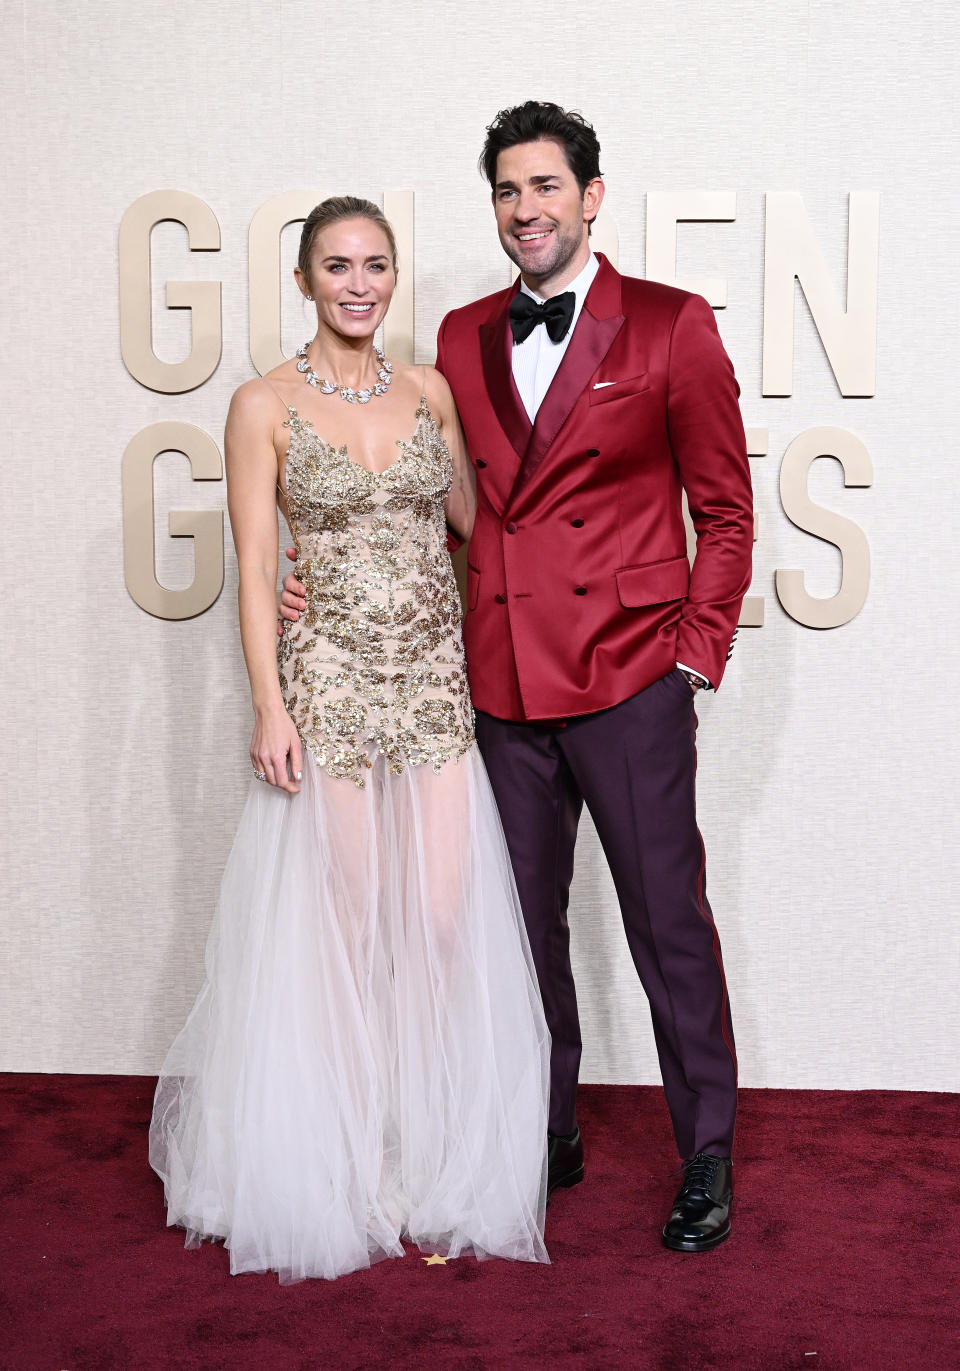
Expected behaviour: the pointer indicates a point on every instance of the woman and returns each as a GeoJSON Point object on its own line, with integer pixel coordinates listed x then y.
{"type": "Point", "coordinates": [367, 1061]}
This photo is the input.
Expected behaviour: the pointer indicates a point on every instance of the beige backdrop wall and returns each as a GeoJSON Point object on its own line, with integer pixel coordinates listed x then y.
{"type": "Point", "coordinates": [828, 787]}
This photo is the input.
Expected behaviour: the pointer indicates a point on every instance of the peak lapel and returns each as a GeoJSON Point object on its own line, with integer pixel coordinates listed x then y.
{"type": "Point", "coordinates": [599, 323]}
{"type": "Point", "coordinates": [495, 346]}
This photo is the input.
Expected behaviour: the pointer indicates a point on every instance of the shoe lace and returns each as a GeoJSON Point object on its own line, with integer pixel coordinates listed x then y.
{"type": "Point", "coordinates": [699, 1172]}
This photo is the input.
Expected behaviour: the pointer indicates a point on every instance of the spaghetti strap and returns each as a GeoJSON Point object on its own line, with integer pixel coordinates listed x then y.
{"type": "Point", "coordinates": [289, 410]}
{"type": "Point", "coordinates": [276, 392]}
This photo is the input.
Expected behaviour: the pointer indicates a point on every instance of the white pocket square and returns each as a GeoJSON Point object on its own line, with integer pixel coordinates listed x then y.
{"type": "Point", "coordinates": [598, 385]}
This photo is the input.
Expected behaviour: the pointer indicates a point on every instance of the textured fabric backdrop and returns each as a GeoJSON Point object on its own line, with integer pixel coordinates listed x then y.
{"type": "Point", "coordinates": [827, 760]}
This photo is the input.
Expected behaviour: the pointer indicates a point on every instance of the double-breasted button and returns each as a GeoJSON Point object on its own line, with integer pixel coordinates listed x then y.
{"type": "Point", "coordinates": [500, 599]}
{"type": "Point", "coordinates": [593, 452]}
{"type": "Point", "coordinates": [511, 528]}
{"type": "Point", "coordinates": [480, 462]}
{"type": "Point", "coordinates": [580, 590]}
{"type": "Point", "coordinates": [576, 523]}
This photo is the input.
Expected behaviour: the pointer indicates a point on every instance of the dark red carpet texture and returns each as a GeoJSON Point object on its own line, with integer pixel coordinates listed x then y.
{"type": "Point", "coordinates": [845, 1253]}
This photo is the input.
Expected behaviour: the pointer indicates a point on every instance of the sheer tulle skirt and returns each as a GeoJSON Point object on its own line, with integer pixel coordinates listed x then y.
{"type": "Point", "coordinates": [367, 1061]}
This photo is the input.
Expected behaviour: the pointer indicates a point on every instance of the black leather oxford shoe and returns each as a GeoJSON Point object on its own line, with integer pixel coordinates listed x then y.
{"type": "Point", "coordinates": [564, 1160]}
{"type": "Point", "coordinates": [701, 1212]}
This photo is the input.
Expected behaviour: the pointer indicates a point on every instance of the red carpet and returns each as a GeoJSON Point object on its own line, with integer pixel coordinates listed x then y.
{"type": "Point", "coordinates": [844, 1253]}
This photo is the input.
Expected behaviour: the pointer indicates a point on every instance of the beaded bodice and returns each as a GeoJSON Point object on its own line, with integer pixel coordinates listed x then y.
{"type": "Point", "coordinates": [375, 663]}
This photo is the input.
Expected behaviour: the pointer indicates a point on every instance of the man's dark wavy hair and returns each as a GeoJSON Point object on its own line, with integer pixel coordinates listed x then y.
{"type": "Point", "coordinates": [538, 119]}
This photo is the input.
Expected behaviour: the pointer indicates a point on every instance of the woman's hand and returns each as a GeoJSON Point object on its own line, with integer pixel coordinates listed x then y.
{"type": "Point", "coordinates": [275, 740]}
{"type": "Point", "coordinates": [293, 600]}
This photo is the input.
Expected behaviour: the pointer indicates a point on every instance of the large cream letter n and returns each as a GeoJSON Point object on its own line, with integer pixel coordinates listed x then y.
{"type": "Point", "coordinates": [849, 335]}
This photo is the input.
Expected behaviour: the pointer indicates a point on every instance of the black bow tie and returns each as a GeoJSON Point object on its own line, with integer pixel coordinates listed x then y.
{"type": "Point", "coordinates": [526, 314]}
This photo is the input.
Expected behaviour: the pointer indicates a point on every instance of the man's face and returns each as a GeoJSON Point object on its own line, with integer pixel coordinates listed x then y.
{"type": "Point", "coordinates": [541, 213]}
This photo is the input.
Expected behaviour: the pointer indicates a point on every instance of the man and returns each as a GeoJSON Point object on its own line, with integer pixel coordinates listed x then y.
{"type": "Point", "coordinates": [589, 401]}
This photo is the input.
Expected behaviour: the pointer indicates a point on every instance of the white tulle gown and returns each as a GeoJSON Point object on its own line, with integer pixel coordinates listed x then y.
{"type": "Point", "coordinates": [367, 1062]}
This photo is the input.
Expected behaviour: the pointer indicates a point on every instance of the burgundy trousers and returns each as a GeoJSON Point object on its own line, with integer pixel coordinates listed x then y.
{"type": "Point", "coordinates": [634, 766]}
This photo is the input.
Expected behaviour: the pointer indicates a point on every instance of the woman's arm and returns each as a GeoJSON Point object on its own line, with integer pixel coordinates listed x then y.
{"type": "Point", "coordinates": [251, 497]}
{"type": "Point", "coordinates": [461, 502]}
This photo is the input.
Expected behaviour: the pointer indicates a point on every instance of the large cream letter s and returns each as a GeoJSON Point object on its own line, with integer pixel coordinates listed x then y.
{"type": "Point", "coordinates": [851, 540]}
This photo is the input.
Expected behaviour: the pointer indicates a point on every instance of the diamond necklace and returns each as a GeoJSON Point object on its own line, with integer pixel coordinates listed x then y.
{"type": "Point", "coordinates": [359, 397]}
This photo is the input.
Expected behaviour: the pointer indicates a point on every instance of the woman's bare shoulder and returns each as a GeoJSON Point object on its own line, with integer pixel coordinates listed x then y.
{"type": "Point", "coordinates": [438, 392]}
{"type": "Point", "coordinates": [260, 398]}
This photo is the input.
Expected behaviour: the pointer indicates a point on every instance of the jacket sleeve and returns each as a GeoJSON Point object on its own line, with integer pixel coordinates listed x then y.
{"type": "Point", "coordinates": [441, 343]}
{"type": "Point", "coordinates": [709, 447]}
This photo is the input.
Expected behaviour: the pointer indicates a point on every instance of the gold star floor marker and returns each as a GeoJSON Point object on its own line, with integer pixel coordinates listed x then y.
{"type": "Point", "coordinates": [435, 1260]}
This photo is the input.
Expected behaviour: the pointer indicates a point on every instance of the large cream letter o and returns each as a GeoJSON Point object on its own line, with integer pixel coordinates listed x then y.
{"type": "Point", "coordinates": [263, 266]}
{"type": "Point", "coordinates": [266, 287]}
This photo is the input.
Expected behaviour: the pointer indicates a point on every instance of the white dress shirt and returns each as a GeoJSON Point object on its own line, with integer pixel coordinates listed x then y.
{"type": "Point", "coordinates": [535, 361]}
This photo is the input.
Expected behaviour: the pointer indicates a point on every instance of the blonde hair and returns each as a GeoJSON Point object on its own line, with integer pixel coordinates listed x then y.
{"type": "Point", "coordinates": [332, 211]}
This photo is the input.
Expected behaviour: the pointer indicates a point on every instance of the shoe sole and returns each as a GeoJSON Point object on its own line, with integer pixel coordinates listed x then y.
{"type": "Point", "coordinates": [681, 1245]}
{"type": "Point", "coordinates": [565, 1182]}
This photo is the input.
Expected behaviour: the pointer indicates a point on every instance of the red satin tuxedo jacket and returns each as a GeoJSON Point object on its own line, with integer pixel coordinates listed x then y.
{"type": "Point", "coordinates": [579, 592]}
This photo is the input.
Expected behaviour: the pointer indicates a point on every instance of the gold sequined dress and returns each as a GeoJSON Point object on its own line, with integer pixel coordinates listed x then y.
{"type": "Point", "coordinates": [375, 665]}
{"type": "Point", "coordinates": [367, 1063]}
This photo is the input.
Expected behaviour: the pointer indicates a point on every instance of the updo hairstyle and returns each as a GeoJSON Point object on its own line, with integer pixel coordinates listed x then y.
{"type": "Point", "coordinates": [332, 211]}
